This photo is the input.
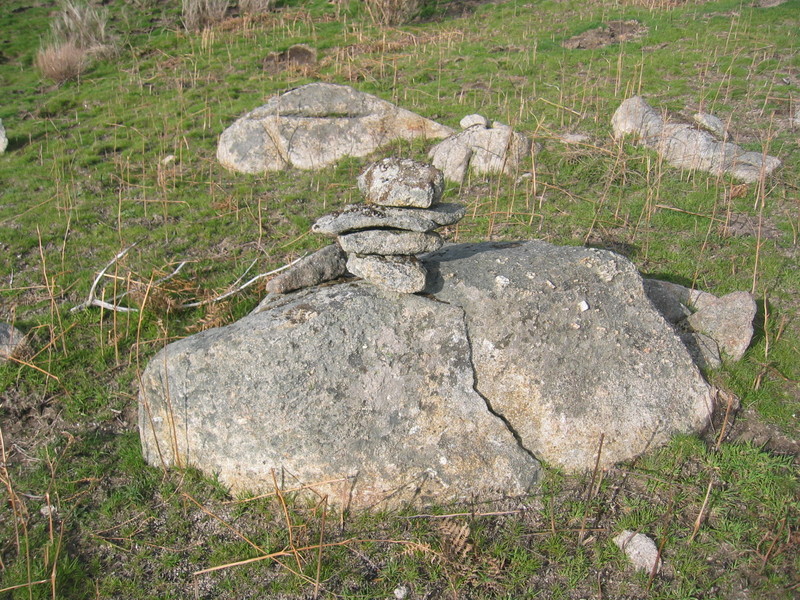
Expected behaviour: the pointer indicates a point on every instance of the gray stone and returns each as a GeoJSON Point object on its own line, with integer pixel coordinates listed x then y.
{"type": "Point", "coordinates": [403, 274]}
{"type": "Point", "coordinates": [3, 138]}
{"type": "Point", "coordinates": [323, 265]}
{"type": "Point", "coordinates": [385, 242]}
{"type": "Point", "coordinates": [355, 217]}
{"type": "Point", "coordinates": [517, 350]}
{"type": "Point", "coordinates": [710, 123]}
{"type": "Point", "coordinates": [729, 321]}
{"type": "Point", "coordinates": [471, 120]}
{"type": "Point", "coordinates": [12, 342]}
{"type": "Point", "coordinates": [315, 125]}
{"type": "Point", "coordinates": [704, 350]}
{"type": "Point", "coordinates": [640, 550]}
{"type": "Point", "coordinates": [685, 147]}
{"type": "Point", "coordinates": [446, 213]}
{"type": "Point", "coordinates": [496, 149]}
{"type": "Point", "coordinates": [401, 182]}
{"type": "Point", "coordinates": [338, 382]}
{"type": "Point", "coordinates": [562, 376]}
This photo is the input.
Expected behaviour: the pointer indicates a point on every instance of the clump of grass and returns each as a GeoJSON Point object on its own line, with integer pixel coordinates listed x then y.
{"type": "Point", "coordinates": [391, 12]}
{"type": "Point", "coordinates": [199, 14]}
{"type": "Point", "coordinates": [78, 32]}
{"type": "Point", "coordinates": [62, 62]}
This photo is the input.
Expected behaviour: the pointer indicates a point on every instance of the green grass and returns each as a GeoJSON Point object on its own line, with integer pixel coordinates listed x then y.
{"type": "Point", "coordinates": [85, 177]}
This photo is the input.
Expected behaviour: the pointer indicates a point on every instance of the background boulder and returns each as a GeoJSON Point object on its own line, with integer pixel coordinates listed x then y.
{"type": "Point", "coordinates": [315, 125]}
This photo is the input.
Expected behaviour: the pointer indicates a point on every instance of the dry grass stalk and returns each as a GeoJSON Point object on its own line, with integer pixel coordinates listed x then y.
{"type": "Point", "coordinates": [85, 26]}
{"type": "Point", "coordinates": [62, 62]}
{"type": "Point", "coordinates": [391, 12]}
{"type": "Point", "coordinates": [255, 7]}
{"type": "Point", "coordinates": [199, 14]}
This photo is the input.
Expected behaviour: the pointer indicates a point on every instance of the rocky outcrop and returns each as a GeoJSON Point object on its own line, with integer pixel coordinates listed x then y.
{"type": "Point", "coordinates": [686, 147]}
{"type": "Point", "coordinates": [482, 147]}
{"type": "Point", "coordinates": [517, 350]}
{"type": "Point", "coordinates": [315, 125]}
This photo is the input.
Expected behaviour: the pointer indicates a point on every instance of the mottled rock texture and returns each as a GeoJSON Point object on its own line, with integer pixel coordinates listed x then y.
{"type": "Point", "coordinates": [315, 125]}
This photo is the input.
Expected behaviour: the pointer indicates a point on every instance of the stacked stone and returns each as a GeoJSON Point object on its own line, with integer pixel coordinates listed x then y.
{"type": "Point", "coordinates": [403, 208]}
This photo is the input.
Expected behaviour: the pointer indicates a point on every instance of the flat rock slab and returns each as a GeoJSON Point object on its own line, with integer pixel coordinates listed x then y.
{"type": "Point", "coordinates": [334, 382]}
{"type": "Point", "coordinates": [384, 242]}
{"type": "Point", "coordinates": [686, 147]}
{"type": "Point", "coordinates": [355, 217]}
{"type": "Point", "coordinates": [315, 125]}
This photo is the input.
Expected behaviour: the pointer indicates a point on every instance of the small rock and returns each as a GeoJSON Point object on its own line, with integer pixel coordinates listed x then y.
{"type": "Point", "coordinates": [3, 138]}
{"type": "Point", "coordinates": [404, 274]}
{"type": "Point", "coordinates": [704, 350]}
{"type": "Point", "coordinates": [640, 550]}
{"type": "Point", "coordinates": [324, 265]}
{"type": "Point", "coordinates": [298, 55]}
{"type": "Point", "coordinates": [390, 243]}
{"type": "Point", "coordinates": [12, 342]}
{"type": "Point", "coordinates": [401, 592]}
{"type": "Point", "coordinates": [355, 217]}
{"type": "Point", "coordinates": [446, 213]}
{"type": "Point", "coordinates": [496, 149]}
{"type": "Point", "coordinates": [729, 321]}
{"type": "Point", "coordinates": [401, 182]}
{"type": "Point", "coordinates": [710, 123]}
{"type": "Point", "coordinates": [472, 120]}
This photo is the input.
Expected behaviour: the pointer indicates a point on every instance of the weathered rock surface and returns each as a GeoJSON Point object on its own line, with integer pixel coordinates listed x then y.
{"type": "Point", "coordinates": [12, 342]}
{"type": "Point", "coordinates": [390, 243]}
{"type": "Point", "coordinates": [710, 123]}
{"type": "Point", "coordinates": [315, 125]}
{"type": "Point", "coordinates": [402, 274]}
{"type": "Point", "coordinates": [685, 147]}
{"type": "Point", "coordinates": [524, 348]}
{"type": "Point", "coordinates": [3, 138]}
{"type": "Point", "coordinates": [640, 550]}
{"type": "Point", "coordinates": [494, 148]}
{"type": "Point", "coordinates": [401, 182]}
{"type": "Point", "coordinates": [707, 324]}
{"type": "Point", "coordinates": [728, 321]}
{"type": "Point", "coordinates": [325, 264]}
{"type": "Point", "coordinates": [567, 348]}
{"type": "Point", "coordinates": [338, 381]}
{"type": "Point", "coordinates": [355, 217]}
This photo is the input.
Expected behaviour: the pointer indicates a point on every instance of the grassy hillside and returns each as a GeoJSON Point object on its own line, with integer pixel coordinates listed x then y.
{"type": "Point", "coordinates": [122, 159]}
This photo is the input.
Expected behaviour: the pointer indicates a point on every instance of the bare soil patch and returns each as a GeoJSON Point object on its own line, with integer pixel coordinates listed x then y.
{"type": "Point", "coordinates": [613, 32]}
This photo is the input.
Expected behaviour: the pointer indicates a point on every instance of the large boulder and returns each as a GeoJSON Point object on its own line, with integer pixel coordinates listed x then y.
{"type": "Point", "coordinates": [315, 125]}
{"type": "Point", "coordinates": [516, 350]}
{"type": "Point", "coordinates": [343, 381]}
{"type": "Point", "coordinates": [686, 147]}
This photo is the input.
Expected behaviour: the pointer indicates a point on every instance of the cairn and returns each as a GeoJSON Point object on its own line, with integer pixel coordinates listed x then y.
{"type": "Point", "coordinates": [382, 236]}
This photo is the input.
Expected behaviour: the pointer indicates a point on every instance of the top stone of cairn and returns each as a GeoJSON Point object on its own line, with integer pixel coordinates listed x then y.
{"type": "Point", "coordinates": [402, 182]}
